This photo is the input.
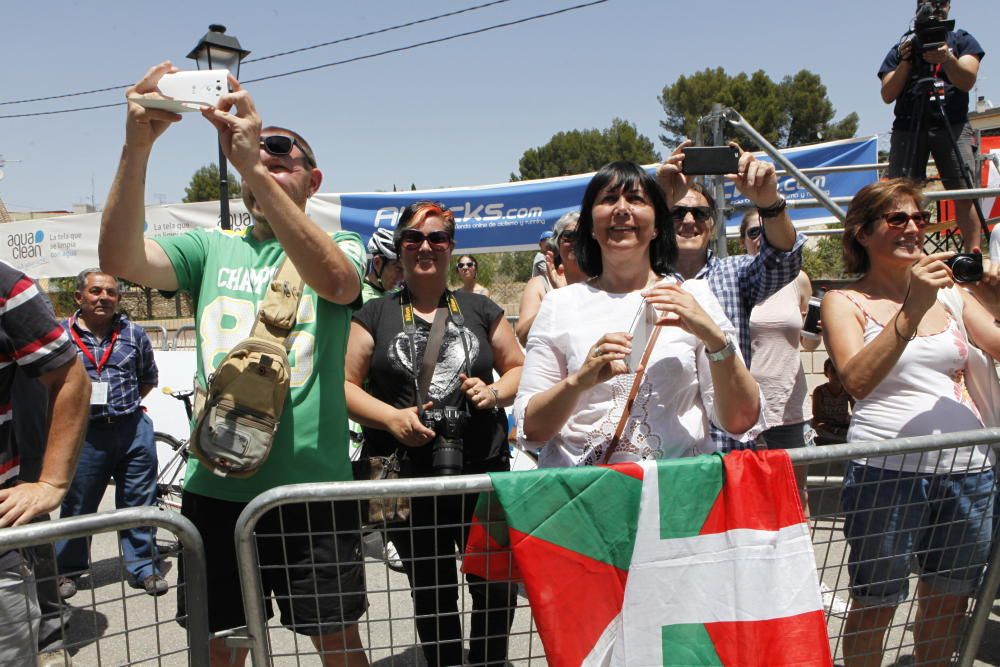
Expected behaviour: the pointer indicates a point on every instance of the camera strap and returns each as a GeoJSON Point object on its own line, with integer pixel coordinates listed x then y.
{"type": "Point", "coordinates": [422, 379]}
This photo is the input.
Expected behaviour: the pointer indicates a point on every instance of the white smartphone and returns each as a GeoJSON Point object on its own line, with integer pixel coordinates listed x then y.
{"type": "Point", "coordinates": [641, 329]}
{"type": "Point", "coordinates": [189, 90]}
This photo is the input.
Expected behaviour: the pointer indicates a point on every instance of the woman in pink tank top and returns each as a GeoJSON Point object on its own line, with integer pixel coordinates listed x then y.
{"type": "Point", "coordinates": [775, 337]}
{"type": "Point", "coordinates": [901, 354]}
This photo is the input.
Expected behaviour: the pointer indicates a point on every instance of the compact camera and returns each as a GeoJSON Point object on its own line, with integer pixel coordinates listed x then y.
{"type": "Point", "coordinates": [967, 267]}
{"type": "Point", "coordinates": [446, 450]}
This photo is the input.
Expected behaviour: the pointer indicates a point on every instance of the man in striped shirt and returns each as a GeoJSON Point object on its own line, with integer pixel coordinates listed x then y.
{"type": "Point", "coordinates": [31, 339]}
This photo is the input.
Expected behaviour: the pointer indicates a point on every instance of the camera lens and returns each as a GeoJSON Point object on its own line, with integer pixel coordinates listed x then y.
{"type": "Point", "coordinates": [967, 268]}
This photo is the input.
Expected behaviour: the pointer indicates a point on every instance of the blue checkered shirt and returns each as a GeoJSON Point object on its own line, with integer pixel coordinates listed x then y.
{"type": "Point", "coordinates": [740, 283]}
{"type": "Point", "coordinates": [130, 365]}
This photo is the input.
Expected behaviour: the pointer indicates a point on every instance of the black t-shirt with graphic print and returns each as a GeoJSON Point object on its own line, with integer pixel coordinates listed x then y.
{"type": "Point", "coordinates": [390, 377]}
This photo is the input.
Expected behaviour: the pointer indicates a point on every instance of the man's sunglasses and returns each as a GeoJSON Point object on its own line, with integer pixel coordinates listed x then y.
{"type": "Point", "coordinates": [699, 213]}
{"type": "Point", "coordinates": [899, 219]}
{"type": "Point", "coordinates": [411, 239]}
{"type": "Point", "coordinates": [753, 233]}
{"type": "Point", "coordinates": [280, 145]}
{"type": "Point", "coordinates": [466, 265]}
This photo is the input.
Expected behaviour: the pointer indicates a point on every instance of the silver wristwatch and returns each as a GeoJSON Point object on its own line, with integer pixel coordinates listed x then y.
{"type": "Point", "coordinates": [728, 350]}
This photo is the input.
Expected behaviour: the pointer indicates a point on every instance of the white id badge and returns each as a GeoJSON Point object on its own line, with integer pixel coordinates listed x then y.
{"type": "Point", "coordinates": [98, 393]}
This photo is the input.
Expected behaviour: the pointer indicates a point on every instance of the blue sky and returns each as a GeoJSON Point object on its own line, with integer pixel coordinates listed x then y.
{"type": "Point", "coordinates": [457, 113]}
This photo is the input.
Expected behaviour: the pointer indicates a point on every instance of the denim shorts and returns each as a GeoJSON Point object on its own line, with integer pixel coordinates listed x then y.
{"type": "Point", "coordinates": [789, 436]}
{"type": "Point", "coordinates": [941, 525]}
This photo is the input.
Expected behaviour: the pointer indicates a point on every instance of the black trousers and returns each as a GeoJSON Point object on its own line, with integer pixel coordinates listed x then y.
{"type": "Point", "coordinates": [437, 528]}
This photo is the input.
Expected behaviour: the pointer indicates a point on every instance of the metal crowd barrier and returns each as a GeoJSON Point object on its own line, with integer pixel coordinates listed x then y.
{"type": "Point", "coordinates": [388, 629]}
{"type": "Point", "coordinates": [108, 622]}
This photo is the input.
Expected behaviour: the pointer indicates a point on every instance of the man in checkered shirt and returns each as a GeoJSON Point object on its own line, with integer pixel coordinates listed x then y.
{"type": "Point", "coordinates": [32, 340]}
{"type": "Point", "coordinates": [742, 281]}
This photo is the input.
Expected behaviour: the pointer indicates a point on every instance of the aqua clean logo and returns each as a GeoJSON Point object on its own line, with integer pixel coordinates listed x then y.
{"type": "Point", "coordinates": [26, 245]}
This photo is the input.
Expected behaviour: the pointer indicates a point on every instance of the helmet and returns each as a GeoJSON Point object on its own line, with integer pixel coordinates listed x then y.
{"type": "Point", "coordinates": [381, 244]}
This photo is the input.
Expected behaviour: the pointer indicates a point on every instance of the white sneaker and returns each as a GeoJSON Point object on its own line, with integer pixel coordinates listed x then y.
{"type": "Point", "coordinates": [832, 602]}
{"type": "Point", "coordinates": [392, 558]}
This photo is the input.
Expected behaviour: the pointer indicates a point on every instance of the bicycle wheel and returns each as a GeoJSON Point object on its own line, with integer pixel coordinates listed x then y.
{"type": "Point", "coordinates": [172, 458]}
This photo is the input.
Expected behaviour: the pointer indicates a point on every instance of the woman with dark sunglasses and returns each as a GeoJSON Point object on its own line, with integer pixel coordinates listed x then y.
{"type": "Point", "coordinates": [468, 271]}
{"type": "Point", "coordinates": [900, 338]}
{"type": "Point", "coordinates": [775, 338]}
{"type": "Point", "coordinates": [386, 349]}
{"type": "Point", "coordinates": [579, 369]}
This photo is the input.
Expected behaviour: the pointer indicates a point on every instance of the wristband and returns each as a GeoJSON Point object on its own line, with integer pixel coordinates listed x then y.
{"type": "Point", "coordinates": [496, 397]}
{"type": "Point", "coordinates": [895, 327]}
{"type": "Point", "coordinates": [774, 210]}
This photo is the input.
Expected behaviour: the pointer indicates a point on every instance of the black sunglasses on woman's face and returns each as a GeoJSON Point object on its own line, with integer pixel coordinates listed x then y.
{"type": "Point", "coordinates": [753, 233]}
{"type": "Point", "coordinates": [411, 239]}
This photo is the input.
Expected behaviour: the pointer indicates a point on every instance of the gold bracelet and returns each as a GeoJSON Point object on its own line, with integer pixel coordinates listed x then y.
{"type": "Point", "coordinates": [895, 327]}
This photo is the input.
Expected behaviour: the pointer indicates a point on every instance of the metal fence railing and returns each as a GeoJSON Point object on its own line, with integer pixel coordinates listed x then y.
{"type": "Point", "coordinates": [393, 627]}
{"type": "Point", "coordinates": [441, 615]}
{"type": "Point", "coordinates": [109, 621]}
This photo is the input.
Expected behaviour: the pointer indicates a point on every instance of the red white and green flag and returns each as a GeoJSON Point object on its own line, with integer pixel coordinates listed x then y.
{"type": "Point", "coordinates": [697, 561]}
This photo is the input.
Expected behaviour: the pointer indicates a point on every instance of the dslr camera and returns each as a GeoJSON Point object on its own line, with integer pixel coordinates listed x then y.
{"type": "Point", "coordinates": [930, 26]}
{"type": "Point", "coordinates": [448, 425]}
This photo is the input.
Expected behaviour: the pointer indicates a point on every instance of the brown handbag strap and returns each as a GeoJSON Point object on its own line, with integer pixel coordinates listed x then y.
{"type": "Point", "coordinates": [640, 372]}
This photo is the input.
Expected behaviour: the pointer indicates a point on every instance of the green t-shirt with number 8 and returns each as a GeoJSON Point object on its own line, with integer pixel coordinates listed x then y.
{"type": "Point", "coordinates": [227, 275]}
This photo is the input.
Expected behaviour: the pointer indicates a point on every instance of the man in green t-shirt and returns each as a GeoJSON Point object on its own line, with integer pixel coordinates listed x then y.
{"type": "Point", "coordinates": [227, 275]}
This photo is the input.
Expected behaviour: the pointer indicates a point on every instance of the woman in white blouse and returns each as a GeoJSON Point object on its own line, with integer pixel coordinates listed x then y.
{"type": "Point", "coordinates": [576, 378]}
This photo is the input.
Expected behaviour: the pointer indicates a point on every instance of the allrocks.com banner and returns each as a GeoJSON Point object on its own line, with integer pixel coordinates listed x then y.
{"type": "Point", "coordinates": [508, 216]}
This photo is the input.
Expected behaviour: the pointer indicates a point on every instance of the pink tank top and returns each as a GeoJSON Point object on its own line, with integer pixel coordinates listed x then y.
{"type": "Point", "coordinates": [775, 327]}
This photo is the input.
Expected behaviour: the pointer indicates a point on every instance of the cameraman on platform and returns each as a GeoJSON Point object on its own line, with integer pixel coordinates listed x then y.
{"type": "Point", "coordinates": [954, 64]}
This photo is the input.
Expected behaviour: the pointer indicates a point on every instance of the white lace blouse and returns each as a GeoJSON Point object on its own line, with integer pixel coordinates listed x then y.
{"type": "Point", "coordinates": [672, 408]}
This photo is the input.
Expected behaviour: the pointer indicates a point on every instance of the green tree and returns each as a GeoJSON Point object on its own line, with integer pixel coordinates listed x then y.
{"type": "Point", "coordinates": [582, 151]}
{"type": "Point", "coordinates": [204, 185]}
{"type": "Point", "coordinates": [810, 111]}
{"type": "Point", "coordinates": [791, 113]}
{"type": "Point", "coordinates": [824, 260]}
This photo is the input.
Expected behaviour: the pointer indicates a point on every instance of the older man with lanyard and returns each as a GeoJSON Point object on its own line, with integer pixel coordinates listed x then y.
{"type": "Point", "coordinates": [743, 281]}
{"type": "Point", "coordinates": [119, 443]}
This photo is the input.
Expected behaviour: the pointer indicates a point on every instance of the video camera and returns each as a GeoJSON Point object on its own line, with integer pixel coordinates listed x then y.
{"type": "Point", "coordinates": [930, 26]}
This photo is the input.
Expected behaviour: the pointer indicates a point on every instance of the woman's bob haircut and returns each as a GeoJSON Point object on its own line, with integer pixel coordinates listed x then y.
{"type": "Point", "coordinates": [625, 176]}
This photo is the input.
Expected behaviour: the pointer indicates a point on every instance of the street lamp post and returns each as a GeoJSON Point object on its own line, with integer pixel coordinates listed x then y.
{"type": "Point", "coordinates": [217, 50]}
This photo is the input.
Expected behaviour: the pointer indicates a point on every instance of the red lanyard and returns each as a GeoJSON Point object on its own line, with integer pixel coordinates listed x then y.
{"type": "Point", "coordinates": [98, 365]}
